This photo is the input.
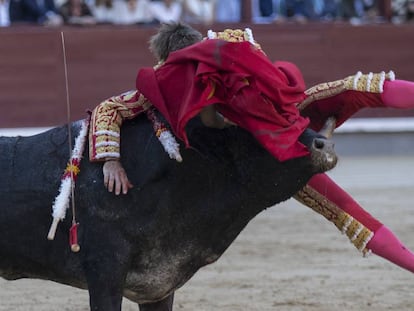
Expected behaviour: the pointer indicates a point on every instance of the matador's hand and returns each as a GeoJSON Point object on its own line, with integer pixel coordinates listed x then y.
{"type": "Point", "coordinates": [115, 177]}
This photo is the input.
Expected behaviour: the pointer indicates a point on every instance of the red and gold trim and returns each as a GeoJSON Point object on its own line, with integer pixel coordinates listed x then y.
{"type": "Point", "coordinates": [106, 121]}
{"type": "Point", "coordinates": [357, 233]}
{"type": "Point", "coordinates": [234, 35]}
{"type": "Point", "coordinates": [372, 83]}
{"type": "Point", "coordinates": [164, 135]}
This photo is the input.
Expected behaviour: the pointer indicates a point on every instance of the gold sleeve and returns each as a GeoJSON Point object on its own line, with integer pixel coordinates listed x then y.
{"type": "Point", "coordinates": [106, 121]}
{"type": "Point", "coordinates": [370, 83]}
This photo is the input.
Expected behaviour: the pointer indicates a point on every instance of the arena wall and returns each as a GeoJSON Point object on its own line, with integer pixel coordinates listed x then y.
{"type": "Point", "coordinates": [103, 60]}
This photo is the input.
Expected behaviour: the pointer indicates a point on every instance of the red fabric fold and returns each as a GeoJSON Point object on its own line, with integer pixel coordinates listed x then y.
{"type": "Point", "coordinates": [243, 84]}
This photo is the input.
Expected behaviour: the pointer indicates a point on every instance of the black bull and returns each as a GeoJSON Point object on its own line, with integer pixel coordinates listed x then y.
{"type": "Point", "coordinates": [144, 245]}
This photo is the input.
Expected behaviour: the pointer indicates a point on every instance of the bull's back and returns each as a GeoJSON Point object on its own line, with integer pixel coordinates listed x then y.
{"type": "Point", "coordinates": [32, 163]}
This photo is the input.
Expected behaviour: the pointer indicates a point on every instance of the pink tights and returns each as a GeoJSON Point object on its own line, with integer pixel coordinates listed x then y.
{"type": "Point", "coordinates": [384, 243]}
{"type": "Point", "coordinates": [398, 94]}
{"type": "Point", "coordinates": [387, 245]}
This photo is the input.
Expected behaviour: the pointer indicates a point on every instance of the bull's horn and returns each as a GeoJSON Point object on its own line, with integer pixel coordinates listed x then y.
{"type": "Point", "coordinates": [329, 127]}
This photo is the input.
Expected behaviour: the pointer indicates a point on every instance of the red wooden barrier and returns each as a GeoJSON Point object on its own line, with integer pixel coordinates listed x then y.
{"type": "Point", "coordinates": [102, 61]}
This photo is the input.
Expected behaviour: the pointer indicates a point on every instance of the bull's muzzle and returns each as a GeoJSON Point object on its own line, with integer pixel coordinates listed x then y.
{"type": "Point", "coordinates": [323, 154]}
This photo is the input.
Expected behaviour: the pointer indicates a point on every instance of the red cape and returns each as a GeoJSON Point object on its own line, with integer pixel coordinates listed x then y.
{"type": "Point", "coordinates": [216, 72]}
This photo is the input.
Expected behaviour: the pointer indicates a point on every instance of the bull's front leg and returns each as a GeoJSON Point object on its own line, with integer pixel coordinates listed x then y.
{"type": "Point", "coordinates": [105, 260]}
{"type": "Point", "coordinates": [164, 305]}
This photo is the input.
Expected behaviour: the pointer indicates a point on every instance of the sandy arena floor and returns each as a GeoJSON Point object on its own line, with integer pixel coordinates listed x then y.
{"type": "Point", "coordinates": [288, 258]}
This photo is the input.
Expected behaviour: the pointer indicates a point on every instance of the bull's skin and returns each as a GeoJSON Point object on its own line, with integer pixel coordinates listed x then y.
{"type": "Point", "coordinates": [146, 244]}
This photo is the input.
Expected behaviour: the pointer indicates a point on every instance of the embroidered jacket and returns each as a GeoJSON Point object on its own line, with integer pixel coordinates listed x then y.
{"type": "Point", "coordinates": [106, 121]}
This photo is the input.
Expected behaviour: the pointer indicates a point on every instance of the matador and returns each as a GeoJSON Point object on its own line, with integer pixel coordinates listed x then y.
{"type": "Point", "coordinates": [229, 71]}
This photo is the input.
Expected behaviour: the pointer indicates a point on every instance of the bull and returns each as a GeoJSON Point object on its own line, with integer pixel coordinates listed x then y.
{"type": "Point", "coordinates": [148, 243]}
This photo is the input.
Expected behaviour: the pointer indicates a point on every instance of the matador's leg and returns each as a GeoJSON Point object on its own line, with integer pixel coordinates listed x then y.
{"type": "Point", "coordinates": [398, 94]}
{"type": "Point", "coordinates": [343, 98]}
{"type": "Point", "coordinates": [324, 196]}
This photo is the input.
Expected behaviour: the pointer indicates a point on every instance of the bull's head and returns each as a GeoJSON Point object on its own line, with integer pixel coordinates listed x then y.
{"type": "Point", "coordinates": [321, 147]}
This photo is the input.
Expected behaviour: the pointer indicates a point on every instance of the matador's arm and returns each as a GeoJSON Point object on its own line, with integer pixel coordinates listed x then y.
{"type": "Point", "coordinates": [106, 121]}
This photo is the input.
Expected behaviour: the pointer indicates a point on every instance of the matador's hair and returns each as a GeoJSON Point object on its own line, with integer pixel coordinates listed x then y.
{"type": "Point", "coordinates": [172, 37]}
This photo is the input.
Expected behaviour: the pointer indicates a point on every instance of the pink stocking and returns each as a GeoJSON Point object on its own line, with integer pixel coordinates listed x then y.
{"type": "Point", "coordinates": [398, 94]}
{"type": "Point", "coordinates": [323, 184]}
{"type": "Point", "coordinates": [384, 243]}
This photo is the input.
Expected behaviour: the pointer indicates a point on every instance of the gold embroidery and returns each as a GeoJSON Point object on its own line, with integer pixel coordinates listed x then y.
{"type": "Point", "coordinates": [232, 35]}
{"type": "Point", "coordinates": [106, 121]}
{"type": "Point", "coordinates": [213, 89]}
{"type": "Point", "coordinates": [235, 35]}
{"type": "Point", "coordinates": [320, 91]}
{"type": "Point", "coordinates": [357, 233]}
{"type": "Point", "coordinates": [372, 83]}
